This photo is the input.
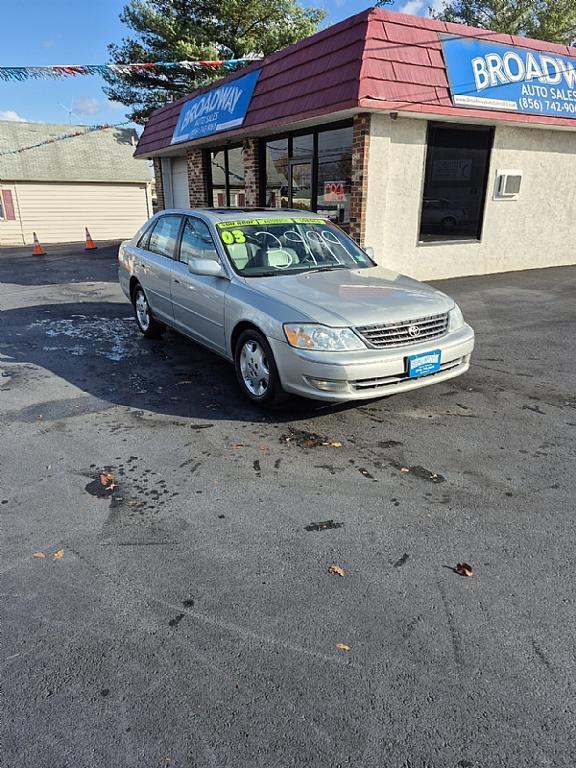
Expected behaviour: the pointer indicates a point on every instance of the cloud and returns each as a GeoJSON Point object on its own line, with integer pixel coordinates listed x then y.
{"type": "Point", "coordinates": [86, 105]}
{"type": "Point", "coordinates": [422, 7]}
{"type": "Point", "coordinates": [9, 114]}
{"type": "Point", "coordinates": [116, 105]}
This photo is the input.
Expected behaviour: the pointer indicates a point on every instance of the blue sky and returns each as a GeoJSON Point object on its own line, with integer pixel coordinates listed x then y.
{"type": "Point", "coordinates": [75, 32]}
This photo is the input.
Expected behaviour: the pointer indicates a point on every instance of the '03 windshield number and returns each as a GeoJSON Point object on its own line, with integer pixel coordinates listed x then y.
{"type": "Point", "coordinates": [229, 237]}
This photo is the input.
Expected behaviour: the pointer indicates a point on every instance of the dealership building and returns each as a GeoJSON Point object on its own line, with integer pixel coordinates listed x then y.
{"type": "Point", "coordinates": [449, 150]}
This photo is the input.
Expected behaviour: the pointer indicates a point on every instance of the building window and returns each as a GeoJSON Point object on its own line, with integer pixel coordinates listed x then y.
{"type": "Point", "coordinates": [456, 179]}
{"type": "Point", "coordinates": [227, 184]}
{"type": "Point", "coordinates": [311, 171]}
{"type": "Point", "coordinates": [335, 174]}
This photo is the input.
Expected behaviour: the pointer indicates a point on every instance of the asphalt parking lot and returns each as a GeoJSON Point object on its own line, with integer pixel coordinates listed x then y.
{"type": "Point", "coordinates": [189, 618]}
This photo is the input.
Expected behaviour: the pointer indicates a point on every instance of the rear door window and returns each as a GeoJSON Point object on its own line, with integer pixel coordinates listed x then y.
{"type": "Point", "coordinates": [164, 236]}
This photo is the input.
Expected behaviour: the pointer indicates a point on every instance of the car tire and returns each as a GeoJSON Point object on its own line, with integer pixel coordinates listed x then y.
{"type": "Point", "coordinates": [148, 325]}
{"type": "Point", "coordinates": [448, 223]}
{"type": "Point", "coordinates": [256, 370]}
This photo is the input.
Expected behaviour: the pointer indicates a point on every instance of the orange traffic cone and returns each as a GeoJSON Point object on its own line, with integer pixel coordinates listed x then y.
{"type": "Point", "coordinates": [37, 250]}
{"type": "Point", "coordinates": [90, 244]}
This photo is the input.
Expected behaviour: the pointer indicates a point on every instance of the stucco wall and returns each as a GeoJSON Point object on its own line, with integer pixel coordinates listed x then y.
{"type": "Point", "coordinates": [537, 230]}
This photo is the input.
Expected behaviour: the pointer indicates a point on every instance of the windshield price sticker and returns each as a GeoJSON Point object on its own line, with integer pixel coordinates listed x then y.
{"type": "Point", "coordinates": [229, 237]}
{"type": "Point", "coordinates": [252, 223]}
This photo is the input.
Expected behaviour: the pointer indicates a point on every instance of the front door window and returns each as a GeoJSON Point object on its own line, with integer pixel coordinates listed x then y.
{"type": "Point", "coordinates": [301, 185]}
{"type": "Point", "coordinates": [197, 242]}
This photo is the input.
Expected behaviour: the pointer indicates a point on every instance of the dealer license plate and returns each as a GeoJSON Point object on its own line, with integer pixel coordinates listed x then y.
{"type": "Point", "coordinates": [424, 364]}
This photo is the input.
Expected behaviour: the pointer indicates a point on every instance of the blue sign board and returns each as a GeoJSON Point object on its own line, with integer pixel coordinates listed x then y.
{"type": "Point", "coordinates": [220, 109]}
{"type": "Point", "coordinates": [485, 75]}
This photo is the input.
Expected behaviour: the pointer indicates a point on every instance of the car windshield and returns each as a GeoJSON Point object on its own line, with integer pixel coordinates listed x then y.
{"type": "Point", "coordinates": [265, 247]}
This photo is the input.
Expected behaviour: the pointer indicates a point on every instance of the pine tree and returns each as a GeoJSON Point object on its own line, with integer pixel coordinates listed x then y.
{"type": "Point", "coordinates": [552, 20]}
{"type": "Point", "coordinates": [188, 30]}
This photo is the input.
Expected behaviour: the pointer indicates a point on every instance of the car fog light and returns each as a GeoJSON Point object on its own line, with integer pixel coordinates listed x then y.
{"type": "Point", "coordinates": [329, 386]}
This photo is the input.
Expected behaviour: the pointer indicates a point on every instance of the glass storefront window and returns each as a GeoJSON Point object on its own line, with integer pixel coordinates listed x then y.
{"type": "Point", "coordinates": [335, 174]}
{"type": "Point", "coordinates": [228, 188]}
{"type": "Point", "coordinates": [311, 171]}
{"type": "Point", "coordinates": [455, 183]}
{"type": "Point", "coordinates": [303, 146]}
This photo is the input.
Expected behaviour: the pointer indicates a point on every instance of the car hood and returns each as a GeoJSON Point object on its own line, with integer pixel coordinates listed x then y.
{"type": "Point", "coordinates": [353, 297]}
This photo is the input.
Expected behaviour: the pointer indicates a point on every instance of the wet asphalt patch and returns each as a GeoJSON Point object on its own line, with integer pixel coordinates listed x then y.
{"type": "Point", "coordinates": [304, 439]}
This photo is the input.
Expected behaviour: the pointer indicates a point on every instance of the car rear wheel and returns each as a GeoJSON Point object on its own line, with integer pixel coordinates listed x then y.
{"type": "Point", "coordinates": [150, 327]}
{"type": "Point", "coordinates": [256, 369]}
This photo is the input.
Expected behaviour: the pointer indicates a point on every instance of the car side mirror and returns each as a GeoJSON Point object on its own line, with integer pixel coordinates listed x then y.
{"type": "Point", "coordinates": [207, 267]}
{"type": "Point", "coordinates": [369, 251]}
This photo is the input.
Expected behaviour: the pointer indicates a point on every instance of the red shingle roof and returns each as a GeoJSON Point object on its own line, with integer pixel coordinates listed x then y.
{"type": "Point", "coordinates": [374, 60]}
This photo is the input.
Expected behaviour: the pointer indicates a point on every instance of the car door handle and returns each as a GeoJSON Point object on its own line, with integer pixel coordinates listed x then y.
{"type": "Point", "coordinates": [177, 281]}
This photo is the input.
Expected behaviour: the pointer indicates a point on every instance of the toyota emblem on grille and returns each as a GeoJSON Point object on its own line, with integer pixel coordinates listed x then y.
{"type": "Point", "coordinates": [414, 331]}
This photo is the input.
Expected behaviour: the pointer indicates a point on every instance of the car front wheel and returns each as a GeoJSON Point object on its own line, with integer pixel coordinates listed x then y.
{"type": "Point", "coordinates": [150, 327]}
{"type": "Point", "coordinates": [256, 369]}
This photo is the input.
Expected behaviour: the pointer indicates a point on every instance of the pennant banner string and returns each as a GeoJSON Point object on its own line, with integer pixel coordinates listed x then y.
{"type": "Point", "coordinates": [61, 137]}
{"type": "Point", "coordinates": [156, 67]}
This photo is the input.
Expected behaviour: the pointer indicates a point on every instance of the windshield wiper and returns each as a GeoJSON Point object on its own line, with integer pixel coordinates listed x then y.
{"type": "Point", "coordinates": [326, 269]}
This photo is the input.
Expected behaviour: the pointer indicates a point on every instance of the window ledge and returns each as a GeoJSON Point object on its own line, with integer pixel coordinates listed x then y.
{"type": "Point", "coordinates": [433, 243]}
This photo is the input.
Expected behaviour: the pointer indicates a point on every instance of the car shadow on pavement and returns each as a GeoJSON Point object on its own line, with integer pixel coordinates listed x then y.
{"type": "Point", "coordinates": [96, 347]}
{"type": "Point", "coordinates": [61, 264]}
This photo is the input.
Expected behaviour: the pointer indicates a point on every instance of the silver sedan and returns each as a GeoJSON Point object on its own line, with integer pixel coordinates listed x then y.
{"type": "Point", "coordinates": [294, 303]}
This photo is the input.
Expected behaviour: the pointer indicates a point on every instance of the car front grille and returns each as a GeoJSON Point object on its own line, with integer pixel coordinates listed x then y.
{"type": "Point", "coordinates": [405, 333]}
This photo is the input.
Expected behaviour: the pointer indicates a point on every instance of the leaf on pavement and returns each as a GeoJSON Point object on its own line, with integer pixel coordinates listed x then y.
{"type": "Point", "coordinates": [464, 569]}
{"type": "Point", "coordinates": [59, 554]}
{"type": "Point", "coordinates": [342, 647]}
{"type": "Point", "coordinates": [39, 555]}
{"type": "Point", "coordinates": [335, 570]}
{"type": "Point", "coordinates": [335, 444]}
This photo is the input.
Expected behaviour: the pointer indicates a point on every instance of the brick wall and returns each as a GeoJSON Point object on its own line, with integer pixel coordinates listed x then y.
{"type": "Point", "coordinates": [360, 152]}
{"type": "Point", "coordinates": [197, 183]}
{"type": "Point", "coordinates": [160, 204]}
{"type": "Point", "coordinates": [252, 172]}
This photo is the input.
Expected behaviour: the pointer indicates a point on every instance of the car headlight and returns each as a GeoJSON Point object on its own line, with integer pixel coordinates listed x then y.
{"type": "Point", "coordinates": [322, 338]}
{"type": "Point", "coordinates": [455, 319]}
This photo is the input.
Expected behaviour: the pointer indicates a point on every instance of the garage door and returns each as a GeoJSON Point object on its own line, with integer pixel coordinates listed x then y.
{"type": "Point", "coordinates": [59, 212]}
{"type": "Point", "coordinates": [180, 183]}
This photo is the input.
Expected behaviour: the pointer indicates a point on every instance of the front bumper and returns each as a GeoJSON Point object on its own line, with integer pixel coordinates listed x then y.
{"type": "Point", "coordinates": [370, 373]}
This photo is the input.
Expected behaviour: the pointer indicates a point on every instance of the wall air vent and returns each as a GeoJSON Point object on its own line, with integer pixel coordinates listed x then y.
{"type": "Point", "coordinates": [508, 184]}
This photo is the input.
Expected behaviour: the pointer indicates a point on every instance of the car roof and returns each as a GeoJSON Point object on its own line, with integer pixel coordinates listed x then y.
{"type": "Point", "coordinates": [233, 214]}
